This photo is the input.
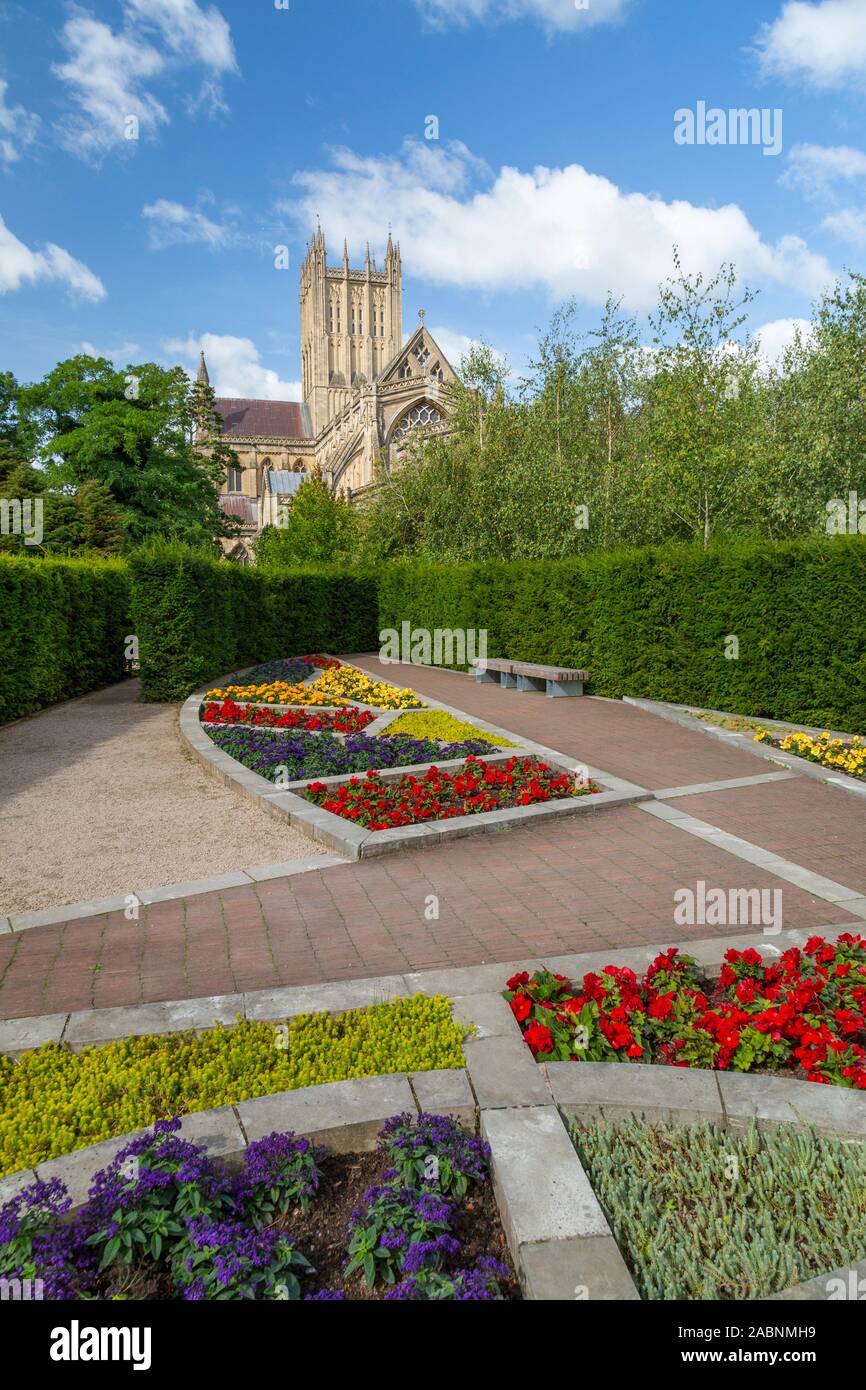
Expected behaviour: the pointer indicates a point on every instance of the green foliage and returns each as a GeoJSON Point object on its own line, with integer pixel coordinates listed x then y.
{"type": "Point", "coordinates": [53, 1100]}
{"type": "Point", "coordinates": [701, 1213]}
{"type": "Point", "coordinates": [139, 433]}
{"type": "Point", "coordinates": [653, 622]}
{"type": "Point", "coordinates": [63, 629]}
{"type": "Point", "coordinates": [318, 530]}
{"type": "Point", "coordinates": [628, 435]}
{"type": "Point", "coordinates": [197, 617]}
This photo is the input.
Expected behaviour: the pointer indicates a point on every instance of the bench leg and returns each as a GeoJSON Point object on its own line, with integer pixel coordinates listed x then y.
{"type": "Point", "coordinates": [560, 688]}
{"type": "Point", "coordinates": [530, 683]}
{"type": "Point", "coordinates": [485, 677]}
{"type": "Point", "coordinates": [506, 680]}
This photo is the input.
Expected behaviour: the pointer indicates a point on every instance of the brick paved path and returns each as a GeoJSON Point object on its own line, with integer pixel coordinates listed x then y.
{"type": "Point", "coordinates": [591, 881]}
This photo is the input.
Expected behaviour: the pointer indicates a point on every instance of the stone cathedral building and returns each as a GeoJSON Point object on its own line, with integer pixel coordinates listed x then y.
{"type": "Point", "coordinates": [364, 391]}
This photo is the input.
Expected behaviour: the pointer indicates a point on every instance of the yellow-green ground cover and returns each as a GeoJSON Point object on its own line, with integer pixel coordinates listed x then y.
{"type": "Point", "coordinates": [54, 1101]}
{"type": "Point", "coordinates": [438, 724]}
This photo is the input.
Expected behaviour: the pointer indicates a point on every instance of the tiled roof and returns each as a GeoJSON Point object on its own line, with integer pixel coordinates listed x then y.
{"type": "Point", "coordinates": [262, 419]}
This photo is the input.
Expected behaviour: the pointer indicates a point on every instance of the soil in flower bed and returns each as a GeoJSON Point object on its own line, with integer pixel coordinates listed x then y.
{"type": "Point", "coordinates": [321, 1231]}
{"type": "Point", "coordinates": [701, 1213]}
{"type": "Point", "coordinates": [414, 1221]}
{"type": "Point", "coordinates": [471, 790]}
{"type": "Point", "coordinates": [301, 754]}
{"type": "Point", "coordinates": [804, 1013]}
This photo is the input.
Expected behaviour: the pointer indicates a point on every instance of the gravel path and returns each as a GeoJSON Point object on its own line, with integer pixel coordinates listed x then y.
{"type": "Point", "coordinates": [98, 798]}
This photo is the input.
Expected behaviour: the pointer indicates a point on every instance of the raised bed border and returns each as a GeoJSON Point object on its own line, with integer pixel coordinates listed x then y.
{"type": "Point", "coordinates": [680, 714]}
{"type": "Point", "coordinates": [558, 1236]}
{"type": "Point", "coordinates": [342, 837]}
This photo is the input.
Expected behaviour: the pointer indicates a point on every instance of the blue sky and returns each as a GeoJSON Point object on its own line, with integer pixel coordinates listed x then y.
{"type": "Point", "coordinates": [555, 173]}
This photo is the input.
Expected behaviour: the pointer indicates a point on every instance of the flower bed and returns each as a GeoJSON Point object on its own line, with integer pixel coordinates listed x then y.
{"type": "Point", "coordinates": [164, 1221]}
{"type": "Point", "coordinates": [701, 1213]}
{"type": "Point", "coordinates": [292, 757]}
{"type": "Point", "coordinates": [805, 1012]}
{"type": "Point", "coordinates": [842, 755]}
{"type": "Point", "coordinates": [335, 686]}
{"type": "Point", "coordinates": [435, 723]}
{"type": "Point", "coordinates": [341, 721]}
{"type": "Point", "coordinates": [477, 787]}
{"type": "Point", "coordinates": [53, 1100]}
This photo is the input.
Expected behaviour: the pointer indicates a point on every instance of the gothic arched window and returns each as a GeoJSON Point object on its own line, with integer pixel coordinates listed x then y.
{"type": "Point", "coordinates": [419, 415]}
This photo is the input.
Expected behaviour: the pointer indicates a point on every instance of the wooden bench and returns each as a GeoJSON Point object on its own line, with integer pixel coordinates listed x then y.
{"type": "Point", "coordinates": [530, 675]}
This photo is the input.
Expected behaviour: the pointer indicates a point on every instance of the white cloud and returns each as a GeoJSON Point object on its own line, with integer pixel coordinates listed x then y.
{"type": "Point", "coordinates": [814, 169]}
{"type": "Point", "coordinates": [124, 353]}
{"type": "Point", "coordinates": [106, 72]}
{"type": "Point", "coordinates": [563, 231]}
{"type": "Point", "coordinates": [822, 44]}
{"type": "Point", "coordinates": [773, 338]}
{"type": "Point", "coordinates": [172, 224]}
{"type": "Point", "coordinates": [457, 345]}
{"type": "Point", "coordinates": [561, 15]}
{"type": "Point", "coordinates": [17, 128]}
{"type": "Point", "coordinates": [20, 265]}
{"type": "Point", "coordinates": [198, 36]}
{"type": "Point", "coordinates": [849, 225]}
{"type": "Point", "coordinates": [110, 74]}
{"type": "Point", "coordinates": [234, 366]}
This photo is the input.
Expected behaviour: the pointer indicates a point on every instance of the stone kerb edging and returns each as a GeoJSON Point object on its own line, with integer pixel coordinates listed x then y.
{"type": "Point", "coordinates": [679, 714]}
{"type": "Point", "coordinates": [340, 836]}
{"type": "Point", "coordinates": [558, 1235]}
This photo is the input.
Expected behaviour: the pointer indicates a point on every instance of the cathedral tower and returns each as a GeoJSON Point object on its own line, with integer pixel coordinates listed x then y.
{"type": "Point", "coordinates": [351, 326]}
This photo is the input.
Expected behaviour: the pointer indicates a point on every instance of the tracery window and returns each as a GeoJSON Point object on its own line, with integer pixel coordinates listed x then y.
{"type": "Point", "coordinates": [417, 416]}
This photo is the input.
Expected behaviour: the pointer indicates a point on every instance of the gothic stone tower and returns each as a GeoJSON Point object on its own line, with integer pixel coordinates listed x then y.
{"type": "Point", "coordinates": [351, 326]}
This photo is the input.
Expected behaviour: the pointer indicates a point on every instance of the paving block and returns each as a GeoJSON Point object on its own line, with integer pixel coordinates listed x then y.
{"type": "Point", "coordinates": [14, 1183]}
{"type": "Point", "coordinates": [542, 1190]}
{"type": "Point", "coordinates": [489, 1013]}
{"type": "Point", "coordinates": [504, 1074]}
{"type": "Point", "coordinates": [345, 1115]}
{"type": "Point", "coordinates": [20, 1034]}
{"type": "Point", "coordinates": [77, 1169]}
{"type": "Point", "coordinates": [467, 979]}
{"type": "Point", "coordinates": [401, 837]}
{"type": "Point", "coordinates": [106, 1025]}
{"type": "Point", "coordinates": [445, 1092]}
{"type": "Point", "coordinates": [771, 1100]}
{"type": "Point", "coordinates": [332, 998]}
{"type": "Point", "coordinates": [219, 1131]}
{"type": "Point", "coordinates": [840, 1285]}
{"type": "Point", "coordinates": [613, 1090]}
{"type": "Point", "coordinates": [583, 1269]}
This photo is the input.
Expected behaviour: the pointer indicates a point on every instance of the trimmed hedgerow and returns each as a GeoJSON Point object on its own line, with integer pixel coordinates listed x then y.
{"type": "Point", "coordinates": [656, 622]}
{"type": "Point", "coordinates": [63, 625]}
{"type": "Point", "coordinates": [198, 617]}
{"type": "Point", "coordinates": [54, 1100]}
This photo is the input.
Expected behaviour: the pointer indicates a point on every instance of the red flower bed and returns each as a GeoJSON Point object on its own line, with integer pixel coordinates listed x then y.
{"type": "Point", "coordinates": [436, 795]}
{"type": "Point", "coordinates": [341, 721]}
{"type": "Point", "coordinates": [806, 1012]}
{"type": "Point", "coordinates": [323, 663]}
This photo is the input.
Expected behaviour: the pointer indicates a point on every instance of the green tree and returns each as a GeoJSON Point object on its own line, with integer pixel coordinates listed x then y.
{"type": "Point", "coordinates": [145, 434]}
{"type": "Point", "coordinates": [696, 464]}
{"type": "Point", "coordinates": [317, 531]}
{"type": "Point", "coordinates": [100, 517]}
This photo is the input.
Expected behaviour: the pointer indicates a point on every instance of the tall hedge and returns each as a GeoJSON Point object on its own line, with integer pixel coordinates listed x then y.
{"type": "Point", "coordinates": [654, 622]}
{"type": "Point", "coordinates": [197, 617]}
{"type": "Point", "coordinates": [63, 625]}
